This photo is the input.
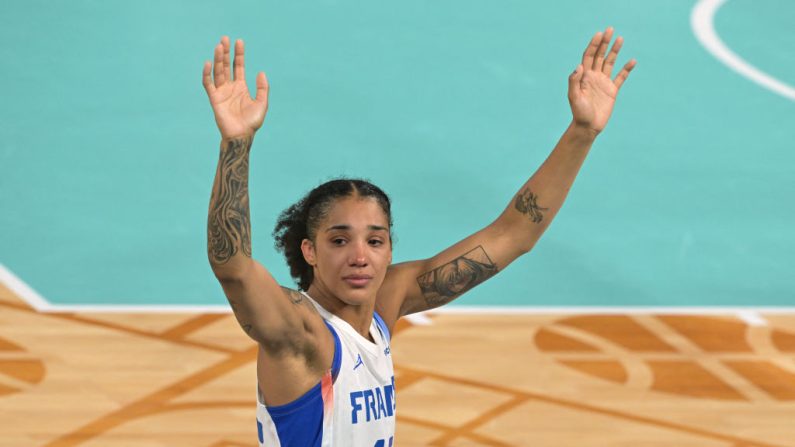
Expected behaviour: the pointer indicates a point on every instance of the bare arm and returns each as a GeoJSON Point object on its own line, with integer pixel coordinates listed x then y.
{"type": "Point", "coordinates": [269, 314]}
{"type": "Point", "coordinates": [421, 285]}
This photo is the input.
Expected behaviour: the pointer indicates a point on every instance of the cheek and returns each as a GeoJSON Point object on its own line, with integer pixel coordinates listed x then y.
{"type": "Point", "coordinates": [385, 259]}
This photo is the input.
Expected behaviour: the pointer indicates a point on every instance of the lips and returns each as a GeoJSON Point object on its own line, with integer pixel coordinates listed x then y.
{"type": "Point", "coordinates": [357, 280]}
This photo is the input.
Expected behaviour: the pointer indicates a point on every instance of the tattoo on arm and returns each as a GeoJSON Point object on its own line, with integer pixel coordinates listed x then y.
{"type": "Point", "coordinates": [526, 204]}
{"type": "Point", "coordinates": [444, 283]}
{"type": "Point", "coordinates": [295, 296]}
{"type": "Point", "coordinates": [238, 315]}
{"type": "Point", "coordinates": [228, 225]}
{"type": "Point", "coordinates": [242, 316]}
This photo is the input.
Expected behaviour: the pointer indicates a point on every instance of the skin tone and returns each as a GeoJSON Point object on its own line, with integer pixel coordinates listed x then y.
{"type": "Point", "coordinates": [349, 257]}
{"type": "Point", "coordinates": [351, 254]}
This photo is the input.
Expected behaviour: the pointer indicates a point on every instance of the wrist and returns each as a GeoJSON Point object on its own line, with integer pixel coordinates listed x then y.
{"type": "Point", "coordinates": [582, 133]}
{"type": "Point", "coordinates": [240, 144]}
{"type": "Point", "coordinates": [237, 136]}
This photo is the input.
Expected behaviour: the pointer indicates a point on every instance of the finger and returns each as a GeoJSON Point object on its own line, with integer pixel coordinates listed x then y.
{"type": "Point", "coordinates": [574, 82]}
{"type": "Point", "coordinates": [218, 65]}
{"type": "Point", "coordinates": [207, 80]}
{"type": "Point", "coordinates": [611, 57]}
{"type": "Point", "coordinates": [262, 88]}
{"type": "Point", "coordinates": [599, 59]}
{"type": "Point", "coordinates": [240, 68]}
{"type": "Point", "coordinates": [590, 50]}
{"type": "Point", "coordinates": [624, 73]}
{"type": "Point", "coordinates": [227, 72]}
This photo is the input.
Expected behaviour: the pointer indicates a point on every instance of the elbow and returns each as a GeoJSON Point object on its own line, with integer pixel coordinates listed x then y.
{"type": "Point", "coordinates": [229, 271]}
{"type": "Point", "coordinates": [514, 237]}
{"type": "Point", "coordinates": [524, 247]}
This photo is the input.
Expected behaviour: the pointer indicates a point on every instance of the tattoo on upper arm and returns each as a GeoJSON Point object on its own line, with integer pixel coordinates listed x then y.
{"type": "Point", "coordinates": [295, 296]}
{"type": "Point", "coordinates": [238, 315]}
{"type": "Point", "coordinates": [242, 316]}
{"type": "Point", "coordinates": [526, 204]}
{"type": "Point", "coordinates": [444, 283]}
{"type": "Point", "coordinates": [228, 225]}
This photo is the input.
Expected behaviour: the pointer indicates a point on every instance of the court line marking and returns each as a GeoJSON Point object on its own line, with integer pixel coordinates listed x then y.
{"type": "Point", "coordinates": [586, 407]}
{"type": "Point", "coordinates": [750, 315]}
{"type": "Point", "coordinates": [702, 21]}
{"type": "Point", "coordinates": [21, 289]}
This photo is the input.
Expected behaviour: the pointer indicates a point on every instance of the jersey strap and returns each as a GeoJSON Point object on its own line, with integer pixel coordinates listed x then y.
{"type": "Point", "coordinates": [381, 326]}
{"type": "Point", "coordinates": [301, 422]}
{"type": "Point", "coordinates": [337, 362]}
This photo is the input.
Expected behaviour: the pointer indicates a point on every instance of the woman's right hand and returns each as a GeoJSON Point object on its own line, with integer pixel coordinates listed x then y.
{"type": "Point", "coordinates": [235, 112]}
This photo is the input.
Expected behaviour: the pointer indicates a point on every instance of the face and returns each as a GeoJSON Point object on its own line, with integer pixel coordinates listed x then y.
{"type": "Point", "coordinates": [351, 251]}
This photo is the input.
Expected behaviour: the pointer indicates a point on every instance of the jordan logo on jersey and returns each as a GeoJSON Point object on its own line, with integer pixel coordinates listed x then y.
{"type": "Point", "coordinates": [359, 362]}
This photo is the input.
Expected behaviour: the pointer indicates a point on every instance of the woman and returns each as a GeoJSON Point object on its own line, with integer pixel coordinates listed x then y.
{"type": "Point", "coordinates": [324, 368]}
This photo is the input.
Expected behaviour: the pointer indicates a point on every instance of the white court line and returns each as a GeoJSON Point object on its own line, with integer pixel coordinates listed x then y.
{"type": "Point", "coordinates": [38, 302]}
{"type": "Point", "coordinates": [419, 319]}
{"type": "Point", "coordinates": [746, 313]}
{"type": "Point", "coordinates": [22, 290]}
{"type": "Point", "coordinates": [751, 315]}
{"type": "Point", "coordinates": [138, 309]}
{"type": "Point", "coordinates": [702, 22]}
{"type": "Point", "coordinates": [752, 318]}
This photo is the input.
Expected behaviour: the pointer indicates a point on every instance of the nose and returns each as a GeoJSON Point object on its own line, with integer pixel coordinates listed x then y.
{"type": "Point", "coordinates": [358, 255]}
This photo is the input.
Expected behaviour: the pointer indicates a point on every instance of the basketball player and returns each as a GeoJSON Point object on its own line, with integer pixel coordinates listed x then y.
{"type": "Point", "coordinates": [324, 369]}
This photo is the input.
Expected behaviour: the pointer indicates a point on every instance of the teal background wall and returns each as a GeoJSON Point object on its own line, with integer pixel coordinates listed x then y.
{"type": "Point", "coordinates": [108, 144]}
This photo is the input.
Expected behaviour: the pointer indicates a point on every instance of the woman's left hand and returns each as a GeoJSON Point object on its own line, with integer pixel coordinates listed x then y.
{"type": "Point", "coordinates": [592, 93]}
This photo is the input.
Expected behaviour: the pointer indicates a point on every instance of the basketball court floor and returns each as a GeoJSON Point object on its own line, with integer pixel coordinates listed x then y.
{"type": "Point", "coordinates": [171, 379]}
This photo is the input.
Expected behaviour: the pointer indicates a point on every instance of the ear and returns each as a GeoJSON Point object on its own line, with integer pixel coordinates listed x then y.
{"type": "Point", "coordinates": [308, 250]}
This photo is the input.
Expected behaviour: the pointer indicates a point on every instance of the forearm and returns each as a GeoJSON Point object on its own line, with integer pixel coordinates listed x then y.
{"type": "Point", "coordinates": [228, 221]}
{"type": "Point", "coordinates": [533, 207]}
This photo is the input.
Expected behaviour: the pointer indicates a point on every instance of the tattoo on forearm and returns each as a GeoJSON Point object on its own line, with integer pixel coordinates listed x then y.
{"type": "Point", "coordinates": [444, 283]}
{"type": "Point", "coordinates": [228, 224]}
{"type": "Point", "coordinates": [526, 204]}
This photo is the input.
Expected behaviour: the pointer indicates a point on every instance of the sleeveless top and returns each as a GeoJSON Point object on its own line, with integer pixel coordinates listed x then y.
{"type": "Point", "coordinates": [352, 405]}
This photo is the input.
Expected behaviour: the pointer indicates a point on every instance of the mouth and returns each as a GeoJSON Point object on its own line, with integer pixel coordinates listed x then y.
{"type": "Point", "coordinates": [357, 281]}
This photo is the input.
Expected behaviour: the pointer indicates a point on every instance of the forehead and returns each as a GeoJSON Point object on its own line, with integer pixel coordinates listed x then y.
{"type": "Point", "coordinates": [356, 211]}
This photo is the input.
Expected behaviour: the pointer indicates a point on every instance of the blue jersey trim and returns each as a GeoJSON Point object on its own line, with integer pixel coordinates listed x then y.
{"type": "Point", "coordinates": [300, 422]}
{"type": "Point", "coordinates": [337, 362]}
{"type": "Point", "coordinates": [381, 325]}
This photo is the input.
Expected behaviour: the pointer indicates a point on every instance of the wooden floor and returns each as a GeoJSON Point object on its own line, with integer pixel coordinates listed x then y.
{"type": "Point", "coordinates": [528, 380]}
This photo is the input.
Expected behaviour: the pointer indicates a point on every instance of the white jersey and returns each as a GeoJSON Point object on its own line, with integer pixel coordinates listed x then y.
{"type": "Point", "coordinates": [354, 403]}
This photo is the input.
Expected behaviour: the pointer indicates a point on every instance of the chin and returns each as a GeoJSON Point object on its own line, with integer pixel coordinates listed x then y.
{"type": "Point", "coordinates": [356, 296]}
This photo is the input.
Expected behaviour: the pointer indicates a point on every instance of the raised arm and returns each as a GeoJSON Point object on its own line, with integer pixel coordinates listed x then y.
{"type": "Point", "coordinates": [238, 118]}
{"type": "Point", "coordinates": [272, 316]}
{"type": "Point", "coordinates": [421, 285]}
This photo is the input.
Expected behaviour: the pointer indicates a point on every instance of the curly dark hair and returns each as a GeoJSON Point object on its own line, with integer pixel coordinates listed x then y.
{"type": "Point", "coordinates": [300, 221]}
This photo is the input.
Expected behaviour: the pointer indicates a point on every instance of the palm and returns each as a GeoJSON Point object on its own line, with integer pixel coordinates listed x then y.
{"type": "Point", "coordinates": [236, 113]}
{"type": "Point", "coordinates": [592, 94]}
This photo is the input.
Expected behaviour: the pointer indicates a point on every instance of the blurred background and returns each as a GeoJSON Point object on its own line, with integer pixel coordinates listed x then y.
{"type": "Point", "coordinates": [108, 145]}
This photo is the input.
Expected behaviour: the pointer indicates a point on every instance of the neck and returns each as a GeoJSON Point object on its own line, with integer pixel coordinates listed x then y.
{"type": "Point", "coordinates": [358, 316]}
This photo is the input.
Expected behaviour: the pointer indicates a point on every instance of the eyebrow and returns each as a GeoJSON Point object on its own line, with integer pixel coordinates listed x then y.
{"type": "Point", "coordinates": [348, 227]}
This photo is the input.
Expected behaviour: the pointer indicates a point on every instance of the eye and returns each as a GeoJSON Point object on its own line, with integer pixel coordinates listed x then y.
{"type": "Point", "coordinates": [338, 241]}
{"type": "Point", "coordinates": [376, 242]}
